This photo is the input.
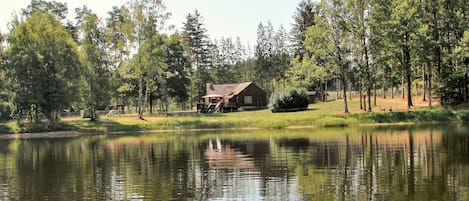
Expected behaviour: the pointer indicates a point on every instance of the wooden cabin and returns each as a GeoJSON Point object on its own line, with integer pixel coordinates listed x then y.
{"type": "Point", "coordinates": [236, 96]}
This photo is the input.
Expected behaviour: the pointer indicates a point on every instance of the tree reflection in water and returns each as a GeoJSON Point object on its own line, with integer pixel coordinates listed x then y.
{"type": "Point", "coordinates": [324, 164]}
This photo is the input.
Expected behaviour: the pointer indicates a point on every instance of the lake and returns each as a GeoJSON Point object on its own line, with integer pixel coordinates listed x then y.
{"type": "Point", "coordinates": [366, 163]}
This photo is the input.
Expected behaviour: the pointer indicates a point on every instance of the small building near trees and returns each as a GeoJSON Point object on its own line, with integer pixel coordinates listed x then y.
{"type": "Point", "coordinates": [226, 97]}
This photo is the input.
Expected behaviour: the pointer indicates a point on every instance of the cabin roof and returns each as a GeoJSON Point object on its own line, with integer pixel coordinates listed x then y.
{"type": "Point", "coordinates": [228, 90]}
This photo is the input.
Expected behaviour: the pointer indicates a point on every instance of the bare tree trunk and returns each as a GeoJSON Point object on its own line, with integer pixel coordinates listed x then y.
{"type": "Point", "coordinates": [403, 88]}
{"type": "Point", "coordinates": [326, 93]}
{"type": "Point", "coordinates": [392, 90]}
{"type": "Point", "coordinates": [361, 95]}
{"type": "Point", "coordinates": [344, 81]}
{"type": "Point", "coordinates": [350, 92]}
{"type": "Point", "coordinates": [430, 86]}
{"type": "Point", "coordinates": [424, 77]}
{"type": "Point", "coordinates": [140, 99]}
{"type": "Point", "coordinates": [151, 103]}
{"type": "Point", "coordinates": [384, 90]}
{"type": "Point", "coordinates": [368, 93]}
{"type": "Point", "coordinates": [337, 86]}
{"type": "Point", "coordinates": [364, 103]}
{"type": "Point", "coordinates": [409, 90]}
{"type": "Point", "coordinates": [374, 94]}
{"type": "Point", "coordinates": [465, 88]}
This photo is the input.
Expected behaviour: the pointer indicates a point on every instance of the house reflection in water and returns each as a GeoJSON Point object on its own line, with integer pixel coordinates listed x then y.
{"type": "Point", "coordinates": [224, 156]}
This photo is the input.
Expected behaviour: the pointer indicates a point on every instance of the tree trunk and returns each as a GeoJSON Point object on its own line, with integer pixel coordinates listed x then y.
{"type": "Point", "coordinates": [322, 92]}
{"type": "Point", "coordinates": [326, 93]}
{"type": "Point", "coordinates": [344, 83]}
{"type": "Point", "coordinates": [409, 90]}
{"type": "Point", "coordinates": [364, 103]}
{"type": "Point", "coordinates": [465, 88]}
{"type": "Point", "coordinates": [384, 90]}
{"type": "Point", "coordinates": [424, 77]}
{"type": "Point", "coordinates": [368, 93]}
{"type": "Point", "coordinates": [337, 88]}
{"type": "Point", "coordinates": [361, 95]}
{"type": "Point", "coordinates": [374, 94]}
{"type": "Point", "coordinates": [403, 87]}
{"type": "Point", "coordinates": [350, 92]}
{"type": "Point", "coordinates": [150, 99]}
{"type": "Point", "coordinates": [430, 99]}
{"type": "Point", "coordinates": [392, 90]}
{"type": "Point", "coordinates": [140, 99]}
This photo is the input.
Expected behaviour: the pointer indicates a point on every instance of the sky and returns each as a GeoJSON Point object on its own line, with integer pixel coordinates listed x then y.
{"type": "Point", "coordinates": [222, 18]}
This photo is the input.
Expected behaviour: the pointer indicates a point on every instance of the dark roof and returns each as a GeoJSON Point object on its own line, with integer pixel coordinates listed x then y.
{"type": "Point", "coordinates": [228, 90]}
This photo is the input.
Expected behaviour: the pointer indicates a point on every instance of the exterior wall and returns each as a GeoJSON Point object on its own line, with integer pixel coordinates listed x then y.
{"type": "Point", "coordinates": [259, 96]}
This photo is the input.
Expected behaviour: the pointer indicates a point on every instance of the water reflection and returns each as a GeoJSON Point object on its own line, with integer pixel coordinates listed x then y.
{"type": "Point", "coordinates": [344, 164]}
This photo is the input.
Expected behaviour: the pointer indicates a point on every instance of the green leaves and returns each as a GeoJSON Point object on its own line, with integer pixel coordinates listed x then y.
{"type": "Point", "coordinates": [43, 66]}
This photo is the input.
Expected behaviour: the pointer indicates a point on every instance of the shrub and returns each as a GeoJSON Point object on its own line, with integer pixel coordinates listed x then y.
{"type": "Point", "coordinates": [289, 100]}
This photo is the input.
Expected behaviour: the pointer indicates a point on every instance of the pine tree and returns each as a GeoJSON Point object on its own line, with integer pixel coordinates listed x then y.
{"type": "Point", "coordinates": [304, 18]}
{"type": "Point", "coordinates": [197, 45]}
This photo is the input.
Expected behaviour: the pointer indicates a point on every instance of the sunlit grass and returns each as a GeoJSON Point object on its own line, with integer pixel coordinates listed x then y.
{"type": "Point", "coordinates": [329, 114]}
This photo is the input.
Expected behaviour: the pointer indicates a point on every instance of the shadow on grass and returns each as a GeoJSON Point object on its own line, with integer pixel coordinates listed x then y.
{"type": "Point", "coordinates": [411, 116]}
{"type": "Point", "coordinates": [105, 126]}
{"type": "Point", "coordinates": [44, 127]}
{"type": "Point", "coordinates": [4, 129]}
{"type": "Point", "coordinates": [190, 124]}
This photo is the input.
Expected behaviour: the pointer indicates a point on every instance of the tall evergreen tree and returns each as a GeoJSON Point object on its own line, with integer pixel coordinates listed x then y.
{"type": "Point", "coordinates": [197, 46]}
{"type": "Point", "coordinates": [303, 18]}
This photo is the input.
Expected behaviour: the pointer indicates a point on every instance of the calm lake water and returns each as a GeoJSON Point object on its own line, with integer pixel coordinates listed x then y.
{"type": "Point", "coordinates": [398, 163]}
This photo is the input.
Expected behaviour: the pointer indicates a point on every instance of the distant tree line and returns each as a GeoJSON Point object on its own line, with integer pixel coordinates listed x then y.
{"type": "Point", "coordinates": [51, 64]}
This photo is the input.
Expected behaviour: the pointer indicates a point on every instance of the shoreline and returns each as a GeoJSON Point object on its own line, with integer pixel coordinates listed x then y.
{"type": "Point", "coordinates": [74, 134]}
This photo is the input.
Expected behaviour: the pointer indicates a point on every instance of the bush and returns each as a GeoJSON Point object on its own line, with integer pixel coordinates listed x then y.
{"type": "Point", "coordinates": [289, 100]}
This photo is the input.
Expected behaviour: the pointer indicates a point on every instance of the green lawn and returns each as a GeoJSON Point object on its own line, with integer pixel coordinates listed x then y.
{"type": "Point", "coordinates": [328, 114]}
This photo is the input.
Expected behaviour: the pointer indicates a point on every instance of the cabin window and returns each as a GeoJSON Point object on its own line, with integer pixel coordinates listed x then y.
{"type": "Point", "coordinates": [248, 100]}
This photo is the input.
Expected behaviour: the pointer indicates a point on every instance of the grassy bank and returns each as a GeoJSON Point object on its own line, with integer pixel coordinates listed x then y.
{"type": "Point", "coordinates": [318, 115]}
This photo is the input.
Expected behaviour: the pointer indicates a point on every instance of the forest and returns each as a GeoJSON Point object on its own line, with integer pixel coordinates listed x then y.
{"type": "Point", "coordinates": [50, 64]}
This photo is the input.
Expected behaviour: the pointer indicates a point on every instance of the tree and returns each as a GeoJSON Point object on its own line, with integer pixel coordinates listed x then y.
{"type": "Point", "coordinates": [43, 67]}
{"type": "Point", "coordinates": [405, 25]}
{"type": "Point", "coordinates": [153, 56]}
{"type": "Point", "coordinates": [97, 90]}
{"type": "Point", "coordinates": [360, 31]}
{"type": "Point", "coordinates": [197, 46]}
{"type": "Point", "coordinates": [119, 35]}
{"type": "Point", "coordinates": [339, 35]}
{"type": "Point", "coordinates": [59, 10]}
{"type": "Point", "coordinates": [272, 55]}
{"type": "Point", "coordinates": [148, 16]}
{"type": "Point", "coordinates": [379, 42]}
{"type": "Point", "coordinates": [178, 69]}
{"type": "Point", "coordinates": [304, 18]}
{"type": "Point", "coordinates": [4, 111]}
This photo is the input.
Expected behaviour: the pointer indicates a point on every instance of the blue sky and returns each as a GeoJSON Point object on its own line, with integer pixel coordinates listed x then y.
{"type": "Point", "coordinates": [222, 18]}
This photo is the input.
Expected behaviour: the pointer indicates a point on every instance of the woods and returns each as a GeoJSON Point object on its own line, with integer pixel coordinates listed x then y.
{"type": "Point", "coordinates": [50, 64]}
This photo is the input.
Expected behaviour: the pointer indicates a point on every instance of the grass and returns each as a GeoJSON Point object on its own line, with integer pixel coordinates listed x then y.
{"type": "Point", "coordinates": [328, 114]}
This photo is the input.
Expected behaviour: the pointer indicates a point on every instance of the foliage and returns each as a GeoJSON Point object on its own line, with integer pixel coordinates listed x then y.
{"type": "Point", "coordinates": [42, 66]}
{"type": "Point", "coordinates": [197, 46]}
{"type": "Point", "coordinates": [96, 89]}
{"type": "Point", "coordinates": [289, 100]}
{"type": "Point", "coordinates": [303, 19]}
{"type": "Point", "coordinates": [178, 69]}
{"type": "Point", "coordinates": [271, 54]}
